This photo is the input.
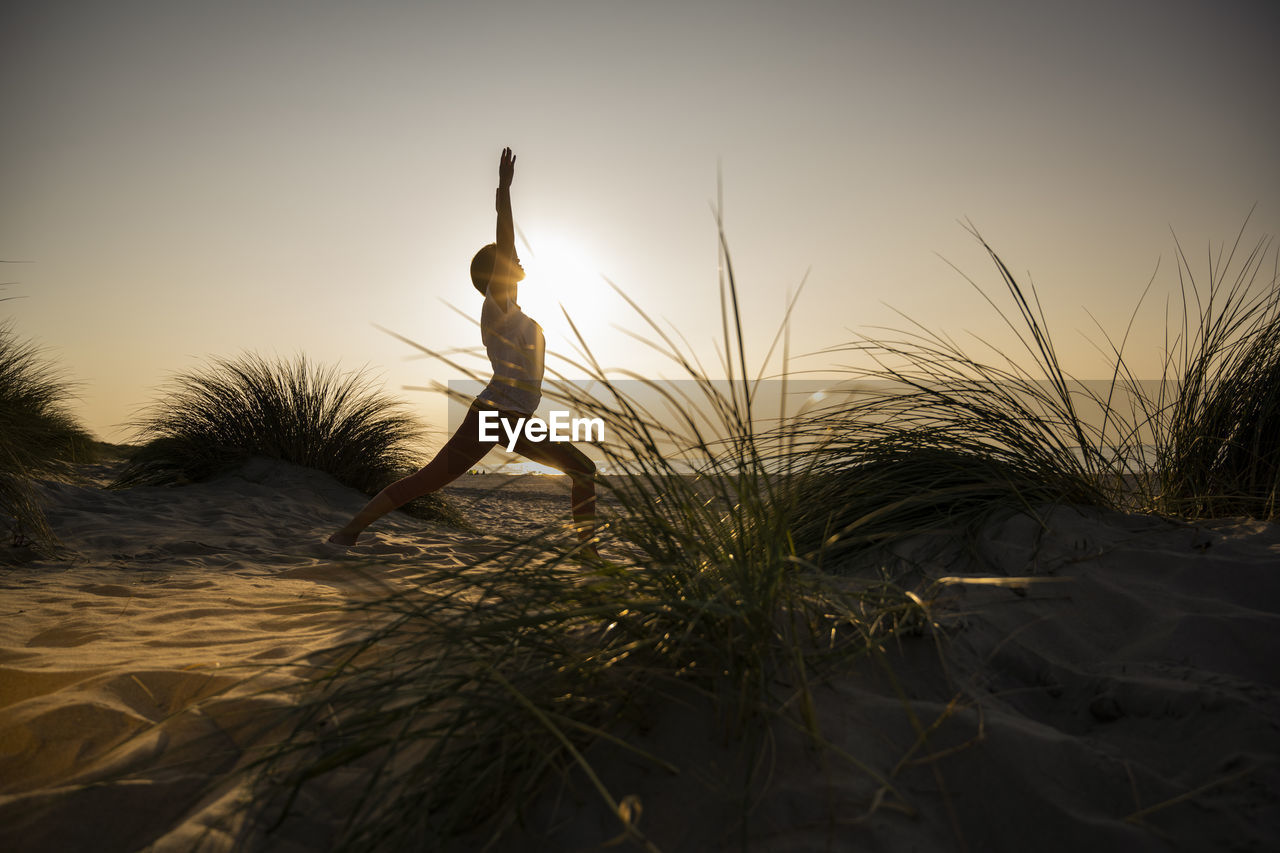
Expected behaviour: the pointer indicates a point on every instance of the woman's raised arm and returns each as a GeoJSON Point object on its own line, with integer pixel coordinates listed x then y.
{"type": "Point", "coordinates": [506, 225]}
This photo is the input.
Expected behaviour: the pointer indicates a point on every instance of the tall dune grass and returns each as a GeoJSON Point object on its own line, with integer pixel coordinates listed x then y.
{"type": "Point", "coordinates": [38, 435]}
{"type": "Point", "coordinates": [948, 438]}
{"type": "Point", "coordinates": [1217, 448]}
{"type": "Point", "coordinates": [953, 437]}
{"type": "Point", "coordinates": [212, 419]}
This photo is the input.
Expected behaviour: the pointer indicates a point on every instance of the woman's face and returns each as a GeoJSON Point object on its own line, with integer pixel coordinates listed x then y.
{"type": "Point", "coordinates": [514, 270]}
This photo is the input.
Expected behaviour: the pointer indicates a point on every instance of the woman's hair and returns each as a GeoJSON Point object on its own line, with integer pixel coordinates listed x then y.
{"type": "Point", "coordinates": [482, 267]}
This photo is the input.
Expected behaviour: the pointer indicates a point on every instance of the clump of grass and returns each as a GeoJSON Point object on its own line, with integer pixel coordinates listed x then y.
{"type": "Point", "coordinates": [1217, 447]}
{"type": "Point", "coordinates": [941, 439]}
{"type": "Point", "coordinates": [947, 438]}
{"type": "Point", "coordinates": [212, 419]}
{"type": "Point", "coordinates": [38, 435]}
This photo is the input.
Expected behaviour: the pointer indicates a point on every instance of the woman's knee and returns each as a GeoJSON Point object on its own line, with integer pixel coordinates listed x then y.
{"type": "Point", "coordinates": [407, 488]}
{"type": "Point", "coordinates": [580, 467]}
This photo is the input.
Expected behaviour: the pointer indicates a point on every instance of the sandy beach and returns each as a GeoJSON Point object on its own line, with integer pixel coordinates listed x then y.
{"type": "Point", "coordinates": [1124, 698]}
{"type": "Point", "coordinates": [162, 600]}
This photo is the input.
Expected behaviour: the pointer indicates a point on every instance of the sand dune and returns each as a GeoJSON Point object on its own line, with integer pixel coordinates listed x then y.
{"type": "Point", "coordinates": [1127, 699]}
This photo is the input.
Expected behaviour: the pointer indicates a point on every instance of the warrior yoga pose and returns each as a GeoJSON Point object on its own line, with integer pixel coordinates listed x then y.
{"type": "Point", "coordinates": [515, 346]}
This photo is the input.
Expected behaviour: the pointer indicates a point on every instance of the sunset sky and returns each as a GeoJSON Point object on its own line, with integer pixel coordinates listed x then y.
{"type": "Point", "coordinates": [184, 180]}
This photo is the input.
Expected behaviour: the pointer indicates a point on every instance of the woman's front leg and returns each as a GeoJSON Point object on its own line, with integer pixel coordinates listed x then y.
{"type": "Point", "coordinates": [568, 459]}
{"type": "Point", "coordinates": [459, 454]}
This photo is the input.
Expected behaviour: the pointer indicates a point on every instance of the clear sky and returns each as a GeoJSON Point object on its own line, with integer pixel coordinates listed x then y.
{"type": "Point", "coordinates": [195, 179]}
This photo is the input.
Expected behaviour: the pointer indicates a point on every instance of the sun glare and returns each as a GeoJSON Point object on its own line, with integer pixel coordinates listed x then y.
{"type": "Point", "coordinates": [561, 272]}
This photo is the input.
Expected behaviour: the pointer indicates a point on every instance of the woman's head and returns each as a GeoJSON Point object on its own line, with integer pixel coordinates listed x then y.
{"type": "Point", "coordinates": [489, 264]}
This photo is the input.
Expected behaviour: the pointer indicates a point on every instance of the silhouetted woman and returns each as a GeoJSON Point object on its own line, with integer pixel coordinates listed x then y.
{"type": "Point", "coordinates": [515, 346]}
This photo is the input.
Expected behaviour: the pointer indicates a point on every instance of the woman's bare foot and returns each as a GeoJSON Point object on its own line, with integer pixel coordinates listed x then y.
{"type": "Point", "coordinates": [587, 553]}
{"type": "Point", "coordinates": [342, 537]}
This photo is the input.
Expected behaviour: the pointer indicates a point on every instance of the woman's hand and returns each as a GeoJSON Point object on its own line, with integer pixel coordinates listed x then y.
{"type": "Point", "coordinates": [506, 169]}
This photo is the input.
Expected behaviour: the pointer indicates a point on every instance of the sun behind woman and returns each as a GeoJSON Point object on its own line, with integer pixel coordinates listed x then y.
{"type": "Point", "coordinates": [516, 349]}
{"type": "Point", "coordinates": [562, 271]}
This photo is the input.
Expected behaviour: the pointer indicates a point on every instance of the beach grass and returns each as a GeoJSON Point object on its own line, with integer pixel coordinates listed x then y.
{"type": "Point", "coordinates": [939, 440]}
{"type": "Point", "coordinates": [39, 437]}
{"type": "Point", "coordinates": [1217, 447]}
{"type": "Point", "coordinates": [950, 438]}
{"type": "Point", "coordinates": [743, 565]}
{"type": "Point", "coordinates": [212, 419]}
